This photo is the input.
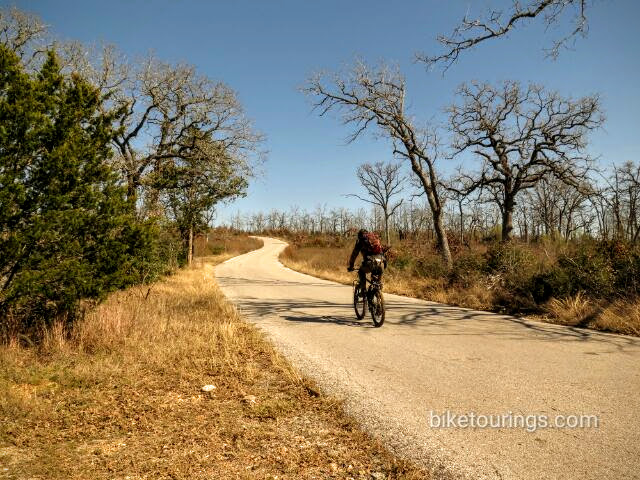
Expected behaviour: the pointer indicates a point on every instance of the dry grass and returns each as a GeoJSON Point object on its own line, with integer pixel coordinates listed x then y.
{"type": "Point", "coordinates": [574, 310]}
{"type": "Point", "coordinates": [221, 241]}
{"type": "Point", "coordinates": [120, 397]}
{"type": "Point", "coordinates": [619, 316]}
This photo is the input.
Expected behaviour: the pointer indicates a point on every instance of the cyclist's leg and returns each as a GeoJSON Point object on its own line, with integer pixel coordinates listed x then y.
{"type": "Point", "coordinates": [362, 275]}
{"type": "Point", "coordinates": [365, 268]}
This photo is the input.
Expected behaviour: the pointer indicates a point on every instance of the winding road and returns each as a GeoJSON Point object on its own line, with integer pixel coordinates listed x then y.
{"type": "Point", "coordinates": [429, 359]}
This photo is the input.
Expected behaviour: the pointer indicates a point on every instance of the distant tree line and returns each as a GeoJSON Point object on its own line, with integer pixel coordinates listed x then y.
{"type": "Point", "coordinates": [108, 168]}
{"type": "Point", "coordinates": [608, 210]}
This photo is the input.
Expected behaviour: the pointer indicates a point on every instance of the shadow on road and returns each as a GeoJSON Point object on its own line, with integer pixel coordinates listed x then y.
{"type": "Point", "coordinates": [243, 282]}
{"type": "Point", "coordinates": [427, 319]}
{"type": "Point", "coordinates": [303, 311]}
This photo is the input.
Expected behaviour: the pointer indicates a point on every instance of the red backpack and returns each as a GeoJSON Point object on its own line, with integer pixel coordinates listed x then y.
{"type": "Point", "coordinates": [371, 243]}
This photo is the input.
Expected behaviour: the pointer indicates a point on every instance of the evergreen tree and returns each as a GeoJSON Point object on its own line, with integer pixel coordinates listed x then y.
{"type": "Point", "coordinates": [66, 230]}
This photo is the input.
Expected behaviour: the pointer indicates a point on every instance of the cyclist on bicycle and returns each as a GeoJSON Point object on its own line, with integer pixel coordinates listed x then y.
{"type": "Point", "coordinates": [373, 262]}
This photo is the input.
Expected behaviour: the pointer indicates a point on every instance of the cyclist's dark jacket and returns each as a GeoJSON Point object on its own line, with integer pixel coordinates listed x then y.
{"type": "Point", "coordinates": [360, 247]}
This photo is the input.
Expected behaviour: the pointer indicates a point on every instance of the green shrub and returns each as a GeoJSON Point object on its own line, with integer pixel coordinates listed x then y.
{"type": "Point", "coordinates": [600, 269]}
{"type": "Point", "coordinates": [431, 267]}
{"type": "Point", "coordinates": [624, 259]}
{"type": "Point", "coordinates": [401, 261]}
{"type": "Point", "coordinates": [588, 269]}
{"type": "Point", "coordinates": [467, 269]}
{"type": "Point", "coordinates": [515, 265]}
{"type": "Point", "coordinates": [515, 300]}
{"type": "Point", "coordinates": [216, 249]}
{"type": "Point", "coordinates": [508, 258]}
{"type": "Point", "coordinates": [553, 283]}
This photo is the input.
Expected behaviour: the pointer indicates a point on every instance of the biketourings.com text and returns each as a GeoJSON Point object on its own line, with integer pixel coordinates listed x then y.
{"type": "Point", "coordinates": [529, 422]}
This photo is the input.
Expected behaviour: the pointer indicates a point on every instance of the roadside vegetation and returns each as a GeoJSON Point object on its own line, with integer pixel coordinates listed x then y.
{"type": "Point", "coordinates": [119, 394]}
{"type": "Point", "coordinates": [109, 169]}
{"type": "Point", "coordinates": [587, 283]}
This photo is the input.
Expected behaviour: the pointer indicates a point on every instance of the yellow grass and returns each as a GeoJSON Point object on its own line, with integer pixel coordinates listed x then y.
{"type": "Point", "coordinates": [619, 316]}
{"type": "Point", "coordinates": [574, 310]}
{"type": "Point", "coordinates": [120, 397]}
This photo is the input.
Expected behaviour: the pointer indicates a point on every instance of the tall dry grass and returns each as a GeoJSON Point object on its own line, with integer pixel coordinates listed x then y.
{"type": "Point", "coordinates": [120, 396]}
{"type": "Point", "coordinates": [575, 310]}
{"type": "Point", "coordinates": [618, 316]}
{"type": "Point", "coordinates": [223, 241]}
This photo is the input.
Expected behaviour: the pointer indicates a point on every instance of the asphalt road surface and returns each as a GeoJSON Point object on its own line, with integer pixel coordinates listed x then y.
{"type": "Point", "coordinates": [429, 359]}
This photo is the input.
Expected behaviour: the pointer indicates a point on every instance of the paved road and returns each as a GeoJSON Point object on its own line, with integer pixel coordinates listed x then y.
{"type": "Point", "coordinates": [436, 358]}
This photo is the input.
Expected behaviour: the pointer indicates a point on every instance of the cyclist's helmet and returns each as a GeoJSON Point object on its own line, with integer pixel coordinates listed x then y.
{"type": "Point", "coordinates": [362, 233]}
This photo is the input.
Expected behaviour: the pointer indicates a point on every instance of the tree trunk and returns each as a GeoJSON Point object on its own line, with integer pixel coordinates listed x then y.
{"type": "Point", "coordinates": [386, 227]}
{"type": "Point", "coordinates": [190, 251]}
{"type": "Point", "coordinates": [441, 238]}
{"type": "Point", "coordinates": [507, 218]}
{"type": "Point", "coordinates": [461, 222]}
{"type": "Point", "coordinates": [132, 193]}
{"type": "Point", "coordinates": [436, 211]}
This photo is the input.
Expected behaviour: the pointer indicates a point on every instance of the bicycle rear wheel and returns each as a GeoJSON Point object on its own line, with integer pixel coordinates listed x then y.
{"type": "Point", "coordinates": [376, 306]}
{"type": "Point", "coordinates": [359, 302]}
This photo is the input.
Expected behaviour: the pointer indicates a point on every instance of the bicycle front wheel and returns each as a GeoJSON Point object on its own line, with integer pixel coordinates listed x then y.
{"type": "Point", "coordinates": [376, 306]}
{"type": "Point", "coordinates": [359, 302]}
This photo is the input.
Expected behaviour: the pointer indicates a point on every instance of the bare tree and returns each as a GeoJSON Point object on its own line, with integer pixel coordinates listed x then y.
{"type": "Point", "coordinates": [257, 222]}
{"type": "Point", "coordinates": [25, 34]}
{"type": "Point", "coordinates": [276, 220]}
{"type": "Point", "coordinates": [622, 198]}
{"type": "Point", "coordinates": [473, 31]}
{"type": "Point", "coordinates": [382, 181]}
{"type": "Point", "coordinates": [457, 217]}
{"type": "Point", "coordinates": [375, 97]}
{"type": "Point", "coordinates": [320, 216]}
{"type": "Point", "coordinates": [161, 104]}
{"type": "Point", "coordinates": [559, 208]}
{"type": "Point", "coordinates": [521, 136]}
{"type": "Point", "coordinates": [29, 38]}
{"type": "Point", "coordinates": [599, 202]}
{"type": "Point", "coordinates": [630, 174]}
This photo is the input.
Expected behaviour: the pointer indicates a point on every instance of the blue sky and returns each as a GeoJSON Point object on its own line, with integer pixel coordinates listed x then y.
{"type": "Point", "coordinates": [266, 49]}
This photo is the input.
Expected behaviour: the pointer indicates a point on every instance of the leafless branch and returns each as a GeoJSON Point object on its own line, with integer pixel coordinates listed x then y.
{"type": "Point", "coordinates": [25, 34]}
{"type": "Point", "coordinates": [473, 31]}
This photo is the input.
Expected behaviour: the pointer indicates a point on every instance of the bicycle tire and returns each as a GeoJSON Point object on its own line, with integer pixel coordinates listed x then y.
{"type": "Point", "coordinates": [359, 302]}
{"type": "Point", "coordinates": [376, 307]}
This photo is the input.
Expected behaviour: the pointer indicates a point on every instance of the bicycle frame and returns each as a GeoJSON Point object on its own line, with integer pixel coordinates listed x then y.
{"type": "Point", "coordinates": [372, 298]}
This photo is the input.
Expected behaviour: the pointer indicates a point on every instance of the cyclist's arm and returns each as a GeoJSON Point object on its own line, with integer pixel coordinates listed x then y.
{"type": "Point", "coordinates": [354, 254]}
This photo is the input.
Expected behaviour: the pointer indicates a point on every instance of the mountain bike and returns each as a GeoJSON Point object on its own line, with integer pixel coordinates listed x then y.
{"type": "Point", "coordinates": [372, 300]}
